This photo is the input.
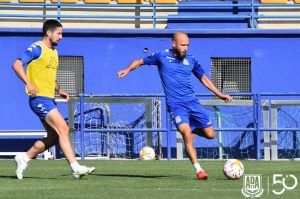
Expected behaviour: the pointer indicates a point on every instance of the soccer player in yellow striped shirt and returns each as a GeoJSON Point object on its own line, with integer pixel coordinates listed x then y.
{"type": "Point", "coordinates": [41, 59]}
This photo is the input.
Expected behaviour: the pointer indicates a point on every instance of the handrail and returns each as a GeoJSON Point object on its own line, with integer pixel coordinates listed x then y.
{"type": "Point", "coordinates": [252, 16]}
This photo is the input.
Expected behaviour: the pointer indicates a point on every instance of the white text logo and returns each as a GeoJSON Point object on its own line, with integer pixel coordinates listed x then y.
{"type": "Point", "coordinates": [279, 179]}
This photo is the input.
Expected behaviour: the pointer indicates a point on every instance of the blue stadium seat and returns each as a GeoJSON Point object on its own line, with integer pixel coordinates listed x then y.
{"type": "Point", "coordinates": [96, 1]}
{"type": "Point", "coordinates": [273, 1]}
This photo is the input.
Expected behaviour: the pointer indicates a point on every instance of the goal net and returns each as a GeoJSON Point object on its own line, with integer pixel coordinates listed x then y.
{"type": "Point", "coordinates": [116, 113]}
{"type": "Point", "coordinates": [284, 144]}
{"type": "Point", "coordinates": [231, 143]}
{"type": "Point", "coordinates": [123, 113]}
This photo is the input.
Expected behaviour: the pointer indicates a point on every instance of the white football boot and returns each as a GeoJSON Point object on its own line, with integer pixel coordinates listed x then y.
{"type": "Point", "coordinates": [83, 171]}
{"type": "Point", "coordinates": [21, 166]}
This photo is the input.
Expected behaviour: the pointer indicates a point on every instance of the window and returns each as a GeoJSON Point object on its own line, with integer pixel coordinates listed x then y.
{"type": "Point", "coordinates": [232, 75]}
{"type": "Point", "coordinates": [70, 75]}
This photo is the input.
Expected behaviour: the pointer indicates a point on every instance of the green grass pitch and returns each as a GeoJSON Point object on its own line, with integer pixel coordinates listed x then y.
{"type": "Point", "coordinates": [141, 179]}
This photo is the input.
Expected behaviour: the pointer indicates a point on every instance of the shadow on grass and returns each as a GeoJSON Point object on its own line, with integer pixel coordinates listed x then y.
{"type": "Point", "coordinates": [134, 176]}
{"type": "Point", "coordinates": [225, 179]}
{"type": "Point", "coordinates": [130, 176]}
{"type": "Point", "coordinates": [15, 177]}
{"type": "Point", "coordinates": [8, 177]}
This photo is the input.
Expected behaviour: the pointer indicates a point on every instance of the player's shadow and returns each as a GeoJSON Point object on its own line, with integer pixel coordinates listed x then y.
{"type": "Point", "coordinates": [133, 176]}
{"type": "Point", "coordinates": [14, 177]}
{"type": "Point", "coordinates": [224, 179]}
{"type": "Point", "coordinates": [8, 177]}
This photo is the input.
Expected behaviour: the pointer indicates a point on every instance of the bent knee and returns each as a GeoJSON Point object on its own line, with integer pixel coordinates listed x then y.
{"type": "Point", "coordinates": [210, 135]}
{"type": "Point", "coordinates": [50, 141]}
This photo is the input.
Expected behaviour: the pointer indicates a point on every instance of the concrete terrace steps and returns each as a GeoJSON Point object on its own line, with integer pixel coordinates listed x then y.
{"type": "Point", "coordinates": [279, 23]}
{"type": "Point", "coordinates": [85, 23]}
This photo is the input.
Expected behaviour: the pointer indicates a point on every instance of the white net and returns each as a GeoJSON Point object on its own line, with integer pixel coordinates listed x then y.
{"type": "Point", "coordinates": [121, 114]}
{"type": "Point", "coordinates": [228, 144]}
{"type": "Point", "coordinates": [243, 144]}
{"type": "Point", "coordinates": [288, 142]}
{"type": "Point", "coordinates": [128, 113]}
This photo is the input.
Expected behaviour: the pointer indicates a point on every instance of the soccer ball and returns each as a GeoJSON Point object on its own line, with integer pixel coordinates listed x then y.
{"type": "Point", "coordinates": [147, 153]}
{"type": "Point", "coordinates": [233, 169]}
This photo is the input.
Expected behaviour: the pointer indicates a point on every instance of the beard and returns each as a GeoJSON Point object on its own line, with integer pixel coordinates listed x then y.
{"type": "Point", "coordinates": [54, 43]}
{"type": "Point", "coordinates": [178, 54]}
{"type": "Point", "coordinates": [181, 55]}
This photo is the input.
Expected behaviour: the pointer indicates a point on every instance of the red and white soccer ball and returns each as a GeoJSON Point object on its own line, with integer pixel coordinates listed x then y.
{"type": "Point", "coordinates": [147, 153]}
{"type": "Point", "coordinates": [233, 169]}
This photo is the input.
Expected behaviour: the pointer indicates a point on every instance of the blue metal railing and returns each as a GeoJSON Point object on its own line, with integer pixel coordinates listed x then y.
{"type": "Point", "coordinates": [257, 109]}
{"type": "Point", "coordinates": [252, 16]}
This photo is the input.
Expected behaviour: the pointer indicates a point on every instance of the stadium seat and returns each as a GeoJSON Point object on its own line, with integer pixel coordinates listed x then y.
{"type": "Point", "coordinates": [5, 1]}
{"type": "Point", "coordinates": [297, 1]}
{"type": "Point", "coordinates": [164, 1]}
{"type": "Point", "coordinates": [130, 1]}
{"type": "Point", "coordinates": [96, 1]}
{"type": "Point", "coordinates": [273, 1]}
{"type": "Point", "coordinates": [32, 1]}
{"type": "Point", "coordinates": [64, 1]}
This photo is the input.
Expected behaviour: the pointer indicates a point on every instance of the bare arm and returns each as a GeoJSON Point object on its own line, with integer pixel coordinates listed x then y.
{"type": "Point", "coordinates": [208, 84]}
{"type": "Point", "coordinates": [132, 66]}
{"type": "Point", "coordinates": [19, 70]}
{"type": "Point", "coordinates": [61, 93]}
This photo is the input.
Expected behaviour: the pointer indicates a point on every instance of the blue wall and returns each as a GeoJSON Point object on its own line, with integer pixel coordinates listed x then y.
{"type": "Point", "coordinates": [274, 55]}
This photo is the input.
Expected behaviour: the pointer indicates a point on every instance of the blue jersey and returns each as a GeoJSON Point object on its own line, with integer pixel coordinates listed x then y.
{"type": "Point", "coordinates": [33, 52]}
{"type": "Point", "coordinates": [176, 74]}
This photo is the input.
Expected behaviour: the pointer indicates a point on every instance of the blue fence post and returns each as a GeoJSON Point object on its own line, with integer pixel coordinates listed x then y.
{"type": "Point", "coordinates": [258, 98]}
{"type": "Point", "coordinates": [257, 122]}
{"type": "Point", "coordinates": [82, 126]}
{"type": "Point", "coordinates": [255, 117]}
{"type": "Point", "coordinates": [169, 127]}
{"type": "Point", "coordinates": [154, 14]}
{"type": "Point", "coordinates": [252, 24]}
{"type": "Point", "coordinates": [58, 10]}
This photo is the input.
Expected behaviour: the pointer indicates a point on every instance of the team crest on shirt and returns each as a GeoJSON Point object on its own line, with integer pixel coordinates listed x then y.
{"type": "Point", "coordinates": [177, 119]}
{"type": "Point", "coordinates": [185, 62]}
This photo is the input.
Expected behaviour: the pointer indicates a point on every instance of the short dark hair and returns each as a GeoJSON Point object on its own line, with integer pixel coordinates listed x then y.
{"type": "Point", "coordinates": [50, 24]}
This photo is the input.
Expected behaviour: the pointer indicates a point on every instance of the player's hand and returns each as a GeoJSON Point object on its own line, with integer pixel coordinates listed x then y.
{"type": "Point", "coordinates": [122, 73]}
{"type": "Point", "coordinates": [226, 98]}
{"type": "Point", "coordinates": [64, 95]}
{"type": "Point", "coordinates": [32, 91]}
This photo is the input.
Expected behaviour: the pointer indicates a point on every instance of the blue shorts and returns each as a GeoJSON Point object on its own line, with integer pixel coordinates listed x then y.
{"type": "Point", "coordinates": [41, 106]}
{"type": "Point", "coordinates": [190, 112]}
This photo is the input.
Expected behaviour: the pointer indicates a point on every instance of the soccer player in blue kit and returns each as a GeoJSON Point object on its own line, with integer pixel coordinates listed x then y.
{"type": "Point", "coordinates": [175, 68]}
